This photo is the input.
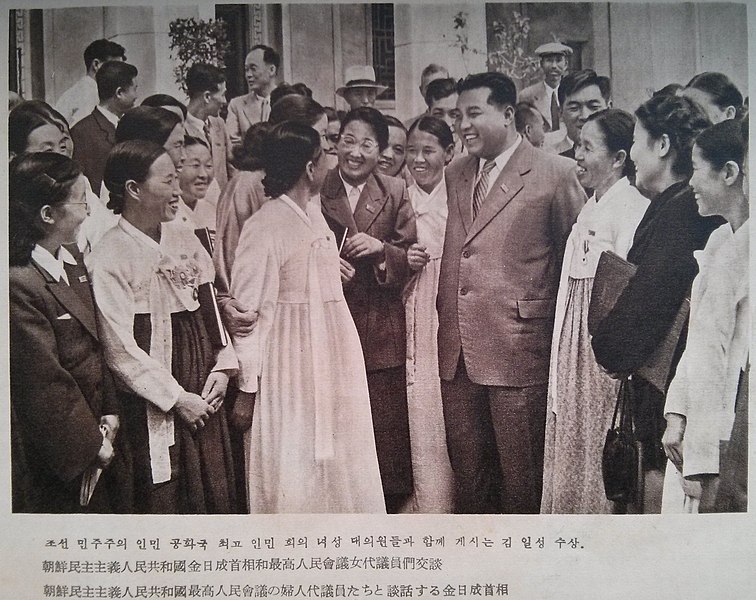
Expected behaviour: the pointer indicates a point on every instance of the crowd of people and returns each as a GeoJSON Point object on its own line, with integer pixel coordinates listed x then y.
{"type": "Point", "coordinates": [273, 306]}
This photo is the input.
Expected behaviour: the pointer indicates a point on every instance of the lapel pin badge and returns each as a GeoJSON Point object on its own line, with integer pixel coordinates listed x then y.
{"type": "Point", "coordinates": [82, 278]}
{"type": "Point", "coordinates": [505, 188]}
{"type": "Point", "coordinates": [369, 208]}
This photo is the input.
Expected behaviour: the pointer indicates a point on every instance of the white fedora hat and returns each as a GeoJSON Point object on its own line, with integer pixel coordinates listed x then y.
{"type": "Point", "coordinates": [360, 76]}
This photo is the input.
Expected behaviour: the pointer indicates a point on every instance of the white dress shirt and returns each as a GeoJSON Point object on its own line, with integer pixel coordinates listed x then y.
{"type": "Point", "coordinates": [52, 264]}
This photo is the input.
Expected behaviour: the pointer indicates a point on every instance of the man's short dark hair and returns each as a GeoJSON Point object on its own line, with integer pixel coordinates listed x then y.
{"type": "Point", "coordinates": [572, 83]}
{"type": "Point", "coordinates": [103, 50]}
{"type": "Point", "coordinates": [438, 89]}
{"type": "Point", "coordinates": [114, 75]}
{"type": "Point", "coordinates": [526, 114]}
{"type": "Point", "coordinates": [723, 92]}
{"type": "Point", "coordinates": [270, 56]}
{"type": "Point", "coordinates": [503, 89]}
{"type": "Point", "coordinates": [371, 117]}
{"type": "Point", "coordinates": [203, 77]}
{"type": "Point", "coordinates": [163, 100]}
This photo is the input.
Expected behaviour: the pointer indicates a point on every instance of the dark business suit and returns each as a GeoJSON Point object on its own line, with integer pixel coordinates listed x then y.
{"type": "Point", "coordinates": [496, 300]}
{"type": "Point", "coordinates": [60, 387]}
{"type": "Point", "coordinates": [374, 298]}
{"type": "Point", "coordinates": [93, 137]}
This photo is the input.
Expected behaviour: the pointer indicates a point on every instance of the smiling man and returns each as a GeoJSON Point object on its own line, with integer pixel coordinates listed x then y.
{"type": "Point", "coordinates": [511, 207]}
{"type": "Point", "coordinates": [581, 94]}
{"type": "Point", "coordinates": [261, 71]}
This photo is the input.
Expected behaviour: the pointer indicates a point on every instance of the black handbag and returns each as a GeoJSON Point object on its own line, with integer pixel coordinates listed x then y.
{"type": "Point", "coordinates": [621, 459]}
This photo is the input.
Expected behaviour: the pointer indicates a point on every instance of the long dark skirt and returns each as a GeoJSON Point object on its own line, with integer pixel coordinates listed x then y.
{"type": "Point", "coordinates": [202, 472]}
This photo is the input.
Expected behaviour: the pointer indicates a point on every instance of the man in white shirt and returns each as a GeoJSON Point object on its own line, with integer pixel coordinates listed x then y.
{"type": "Point", "coordinates": [94, 135]}
{"type": "Point", "coordinates": [543, 95]}
{"type": "Point", "coordinates": [80, 99]}
{"type": "Point", "coordinates": [261, 71]}
{"type": "Point", "coordinates": [206, 87]}
{"type": "Point", "coordinates": [511, 207]}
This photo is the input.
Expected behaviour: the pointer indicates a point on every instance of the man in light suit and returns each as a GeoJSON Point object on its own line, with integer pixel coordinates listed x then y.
{"type": "Point", "coordinates": [261, 70]}
{"type": "Point", "coordinates": [376, 212]}
{"type": "Point", "coordinates": [511, 207]}
{"type": "Point", "coordinates": [206, 88]}
{"type": "Point", "coordinates": [543, 95]}
{"type": "Point", "coordinates": [94, 135]}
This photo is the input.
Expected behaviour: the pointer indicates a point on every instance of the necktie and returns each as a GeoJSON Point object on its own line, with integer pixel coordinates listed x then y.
{"type": "Point", "coordinates": [354, 198]}
{"type": "Point", "coordinates": [554, 112]}
{"type": "Point", "coordinates": [481, 187]}
{"type": "Point", "coordinates": [264, 109]}
{"type": "Point", "coordinates": [206, 130]}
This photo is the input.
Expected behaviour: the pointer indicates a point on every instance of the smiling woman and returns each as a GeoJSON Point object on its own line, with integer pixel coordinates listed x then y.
{"type": "Point", "coordinates": [145, 275]}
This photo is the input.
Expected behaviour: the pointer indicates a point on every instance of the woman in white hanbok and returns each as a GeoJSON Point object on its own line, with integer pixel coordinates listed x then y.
{"type": "Point", "coordinates": [581, 396]}
{"type": "Point", "coordinates": [700, 407]}
{"type": "Point", "coordinates": [310, 447]}
{"type": "Point", "coordinates": [430, 148]}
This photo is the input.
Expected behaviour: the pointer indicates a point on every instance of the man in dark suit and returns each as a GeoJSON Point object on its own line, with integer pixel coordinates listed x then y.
{"type": "Point", "coordinates": [375, 211]}
{"type": "Point", "coordinates": [94, 135]}
{"type": "Point", "coordinates": [554, 58]}
{"type": "Point", "coordinates": [511, 207]}
{"type": "Point", "coordinates": [206, 87]}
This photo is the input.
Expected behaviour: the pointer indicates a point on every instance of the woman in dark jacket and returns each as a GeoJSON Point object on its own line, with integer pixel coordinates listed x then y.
{"type": "Point", "coordinates": [62, 396]}
{"type": "Point", "coordinates": [669, 233]}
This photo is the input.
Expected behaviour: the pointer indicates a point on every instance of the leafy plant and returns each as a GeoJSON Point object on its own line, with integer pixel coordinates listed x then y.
{"type": "Point", "coordinates": [508, 54]}
{"type": "Point", "coordinates": [197, 41]}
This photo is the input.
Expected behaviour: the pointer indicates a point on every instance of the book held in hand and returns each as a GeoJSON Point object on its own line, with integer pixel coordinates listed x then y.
{"type": "Point", "coordinates": [612, 276]}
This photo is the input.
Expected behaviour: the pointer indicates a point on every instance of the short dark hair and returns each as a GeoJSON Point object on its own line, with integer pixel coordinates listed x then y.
{"type": "Point", "coordinates": [163, 100]}
{"type": "Point", "coordinates": [35, 179]}
{"type": "Point", "coordinates": [438, 89]}
{"type": "Point", "coordinates": [285, 152]}
{"type": "Point", "coordinates": [248, 156]}
{"type": "Point", "coordinates": [373, 119]}
{"type": "Point", "coordinates": [114, 75]}
{"type": "Point", "coordinates": [270, 56]}
{"type": "Point", "coordinates": [285, 89]}
{"type": "Point", "coordinates": [127, 160]}
{"type": "Point", "coordinates": [392, 121]}
{"type": "Point", "coordinates": [432, 69]}
{"type": "Point", "coordinates": [27, 117]}
{"type": "Point", "coordinates": [203, 77]}
{"type": "Point", "coordinates": [503, 89]}
{"type": "Point", "coordinates": [724, 92]}
{"type": "Point", "coordinates": [723, 142]}
{"type": "Point", "coordinates": [681, 120]}
{"type": "Point", "coordinates": [573, 82]}
{"type": "Point", "coordinates": [331, 113]}
{"type": "Point", "coordinates": [102, 50]}
{"type": "Point", "coordinates": [149, 123]}
{"type": "Point", "coordinates": [526, 114]}
{"type": "Point", "coordinates": [670, 89]}
{"type": "Point", "coordinates": [296, 108]}
{"type": "Point", "coordinates": [616, 127]}
{"type": "Point", "coordinates": [436, 127]}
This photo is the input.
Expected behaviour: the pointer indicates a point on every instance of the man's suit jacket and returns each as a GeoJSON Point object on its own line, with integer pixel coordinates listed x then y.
{"type": "Point", "coordinates": [60, 386]}
{"type": "Point", "coordinates": [219, 145]}
{"type": "Point", "coordinates": [243, 112]}
{"type": "Point", "coordinates": [500, 273]}
{"type": "Point", "coordinates": [93, 137]}
{"type": "Point", "coordinates": [537, 95]}
{"type": "Point", "coordinates": [385, 213]}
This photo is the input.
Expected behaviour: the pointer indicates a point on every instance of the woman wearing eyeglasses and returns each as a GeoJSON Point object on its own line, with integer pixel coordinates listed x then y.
{"type": "Point", "coordinates": [377, 216]}
{"type": "Point", "coordinates": [62, 394]}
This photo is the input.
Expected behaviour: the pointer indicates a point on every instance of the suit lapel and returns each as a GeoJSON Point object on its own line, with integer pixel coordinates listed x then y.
{"type": "Point", "coordinates": [370, 204]}
{"type": "Point", "coordinates": [464, 188]}
{"type": "Point", "coordinates": [70, 300]}
{"type": "Point", "coordinates": [105, 125]}
{"type": "Point", "coordinates": [334, 202]}
{"type": "Point", "coordinates": [507, 185]}
{"type": "Point", "coordinates": [251, 108]}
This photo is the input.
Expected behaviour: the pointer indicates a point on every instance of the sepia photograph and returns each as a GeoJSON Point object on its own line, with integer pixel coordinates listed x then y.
{"type": "Point", "coordinates": [398, 300]}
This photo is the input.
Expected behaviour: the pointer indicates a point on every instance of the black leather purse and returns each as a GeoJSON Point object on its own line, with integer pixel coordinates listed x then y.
{"type": "Point", "coordinates": [621, 461]}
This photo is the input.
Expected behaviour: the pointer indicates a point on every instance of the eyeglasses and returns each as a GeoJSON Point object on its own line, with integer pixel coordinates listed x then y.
{"type": "Point", "coordinates": [366, 145]}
